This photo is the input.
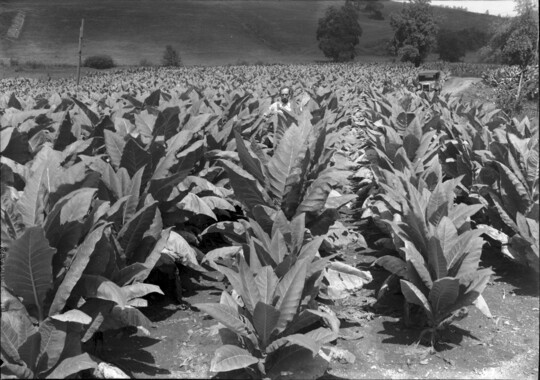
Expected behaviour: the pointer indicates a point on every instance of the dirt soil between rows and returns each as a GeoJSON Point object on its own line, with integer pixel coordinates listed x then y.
{"type": "Point", "coordinates": [183, 340]}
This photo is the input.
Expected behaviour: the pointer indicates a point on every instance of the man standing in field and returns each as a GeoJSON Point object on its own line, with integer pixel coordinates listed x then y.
{"type": "Point", "coordinates": [284, 103]}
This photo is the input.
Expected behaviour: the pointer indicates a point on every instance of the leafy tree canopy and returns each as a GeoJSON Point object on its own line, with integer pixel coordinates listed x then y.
{"type": "Point", "coordinates": [415, 31]}
{"type": "Point", "coordinates": [339, 32]}
{"type": "Point", "coordinates": [171, 57]}
{"type": "Point", "coordinates": [515, 42]}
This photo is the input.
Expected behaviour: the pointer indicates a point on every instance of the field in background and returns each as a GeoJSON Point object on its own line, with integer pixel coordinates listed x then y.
{"type": "Point", "coordinates": [205, 32]}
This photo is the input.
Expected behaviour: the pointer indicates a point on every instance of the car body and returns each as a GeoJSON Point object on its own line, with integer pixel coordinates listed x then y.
{"type": "Point", "coordinates": [430, 80]}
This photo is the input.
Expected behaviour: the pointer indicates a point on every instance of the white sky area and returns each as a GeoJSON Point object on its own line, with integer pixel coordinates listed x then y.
{"type": "Point", "coordinates": [494, 7]}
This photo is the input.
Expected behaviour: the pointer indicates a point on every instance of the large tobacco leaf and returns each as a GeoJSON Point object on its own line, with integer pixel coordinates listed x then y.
{"type": "Point", "coordinates": [245, 186]}
{"type": "Point", "coordinates": [282, 165]}
{"type": "Point", "coordinates": [76, 269]}
{"type": "Point", "coordinates": [229, 358]}
{"type": "Point", "coordinates": [28, 268]}
{"type": "Point", "coordinates": [32, 203]}
{"type": "Point", "coordinates": [133, 231]}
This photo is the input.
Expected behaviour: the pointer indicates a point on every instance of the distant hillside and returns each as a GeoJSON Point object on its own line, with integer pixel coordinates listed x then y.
{"type": "Point", "coordinates": [203, 31]}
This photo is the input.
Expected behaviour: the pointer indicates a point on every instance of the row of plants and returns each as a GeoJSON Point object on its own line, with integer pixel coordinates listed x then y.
{"type": "Point", "coordinates": [102, 189]}
{"type": "Point", "coordinates": [97, 196]}
{"type": "Point", "coordinates": [447, 177]}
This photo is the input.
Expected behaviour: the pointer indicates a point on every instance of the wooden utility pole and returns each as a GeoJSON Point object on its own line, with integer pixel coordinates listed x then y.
{"type": "Point", "coordinates": [80, 52]}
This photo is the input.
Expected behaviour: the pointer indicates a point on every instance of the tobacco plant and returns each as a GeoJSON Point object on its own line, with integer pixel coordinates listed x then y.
{"type": "Point", "coordinates": [440, 254]}
{"type": "Point", "coordinates": [276, 284]}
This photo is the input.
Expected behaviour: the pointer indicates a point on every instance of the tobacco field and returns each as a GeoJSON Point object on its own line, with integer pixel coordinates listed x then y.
{"type": "Point", "coordinates": [282, 234]}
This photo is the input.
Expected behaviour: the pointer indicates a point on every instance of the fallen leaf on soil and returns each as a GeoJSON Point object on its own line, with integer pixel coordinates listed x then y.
{"type": "Point", "coordinates": [337, 354]}
{"type": "Point", "coordinates": [344, 279]}
{"type": "Point", "coordinates": [109, 371]}
{"type": "Point", "coordinates": [354, 316]}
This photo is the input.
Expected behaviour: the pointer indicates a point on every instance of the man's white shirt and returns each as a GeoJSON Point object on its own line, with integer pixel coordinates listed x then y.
{"type": "Point", "coordinates": [278, 106]}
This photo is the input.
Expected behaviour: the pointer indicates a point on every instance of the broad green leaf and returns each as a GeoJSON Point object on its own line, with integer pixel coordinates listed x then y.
{"type": "Point", "coordinates": [299, 361]}
{"type": "Point", "coordinates": [437, 206]}
{"type": "Point", "coordinates": [77, 206]}
{"type": "Point", "coordinates": [28, 268]}
{"type": "Point", "coordinates": [322, 335]}
{"type": "Point", "coordinates": [298, 228]}
{"type": "Point", "coordinates": [512, 185]}
{"type": "Point", "coordinates": [316, 197]}
{"type": "Point", "coordinates": [132, 232]}
{"type": "Point", "coordinates": [134, 157]}
{"type": "Point", "coordinates": [76, 269]}
{"type": "Point", "coordinates": [414, 295]}
{"type": "Point", "coordinates": [92, 286]}
{"type": "Point", "coordinates": [234, 279]}
{"type": "Point", "coordinates": [139, 290]}
{"type": "Point", "coordinates": [72, 365]}
{"type": "Point", "coordinates": [233, 230]}
{"type": "Point", "coordinates": [30, 350]}
{"type": "Point", "coordinates": [471, 287]}
{"type": "Point", "coordinates": [266, 281]}
{"type": "Point", "coordinates": [278, 247]}
{"type": "Point", "coordinates": [393, 265]}
{"type": "Point", "coordinates": [459, 213]}
{"type": "Point", "coordinates": [217, 203]}
{"type": "Point", "coordinates": [196, 205]}
{"type": "Point", "coordinates": [226, 315]}
{"type": "Point", "coordinates": [289, 291]}
{"type": "Point", "coordinates": [175, 145]}
{"type": "Point", "coordinates": [189, 157]}
{"type": "Point", "coordinates": [64, 135]}
{"type": "Point", "coordinates": [114, 144]}
{"type": "Point", "coordinates": [43, 169]}
{"type": "Point", "coordinates": [481, 305]}
{"type": "Point", "coordinates": [250, 293]}
{"type": "Point", "coordinates": [229, 358]}
{"type": "Point", "coordinates": [249, 163]}
{"type": "Point", "coordinates": [417, 260]}
{"type": "Point", "coordinates": [447, 235]}
{"type": "Point", "coordinates": [10, 343]}
{"type": "Point", "coordinates": [436, 260]}
{"type": "Point", "coordinates": [261, 235]}
{"type": "Point", "coordinates": [94, 119]}
{"type": "Point", "coordinates": [75, 316]}
{"type": "Point", "coordinates": [167, 122]}
{"type": "Point", "coordinates": [15, 371]}
{"type": "Point", "coordinates": [310, 249]}
{"type": "Point", "coordinates": [127, 316]}
{"type": "Point", "coordinates": [53, 339]}
{"type": "Point", "coordinates": [244, 186]}
{"type": "Point", "coordinates": [70, 208]}
{"type": "Point", "coordinates": [302, 320]}
{"type": "Point", "coordinates": [465, 255]}
{"type": "Point", "coordinates": [265, 318]}
{"type": "Point", "coordinates": [285, 158]}
{"type": "Point", "coordinates": [302, 340]}
{"type": "Point", "coordinates": [443, 294]}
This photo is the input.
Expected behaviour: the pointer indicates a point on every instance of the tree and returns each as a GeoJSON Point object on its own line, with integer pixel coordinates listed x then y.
{"type": "Point", "coordinates": [374, 8]}
{"type": "Point", "coordinates": [339, 32]}
{"type": "Point", "coordinates": [415, 31]}
{"type": "Point", "coordinates": [451, 46]}
{"type": "Point", "coordinates": [171, 57]}
{"type": "Point", "coordinates": [515, 42]}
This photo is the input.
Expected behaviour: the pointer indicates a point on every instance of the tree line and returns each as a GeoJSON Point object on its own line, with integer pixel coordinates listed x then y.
{"type": "Point", "coordinates": [513, 41]}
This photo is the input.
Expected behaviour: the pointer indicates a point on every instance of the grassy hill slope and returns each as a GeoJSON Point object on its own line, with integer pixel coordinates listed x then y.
{"type": "Point", "coordinates": [203, 31]}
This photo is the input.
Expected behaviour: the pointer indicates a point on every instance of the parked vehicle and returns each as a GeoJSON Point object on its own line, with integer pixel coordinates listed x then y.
{"type": "Point", "coordinates": [429, 80]}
